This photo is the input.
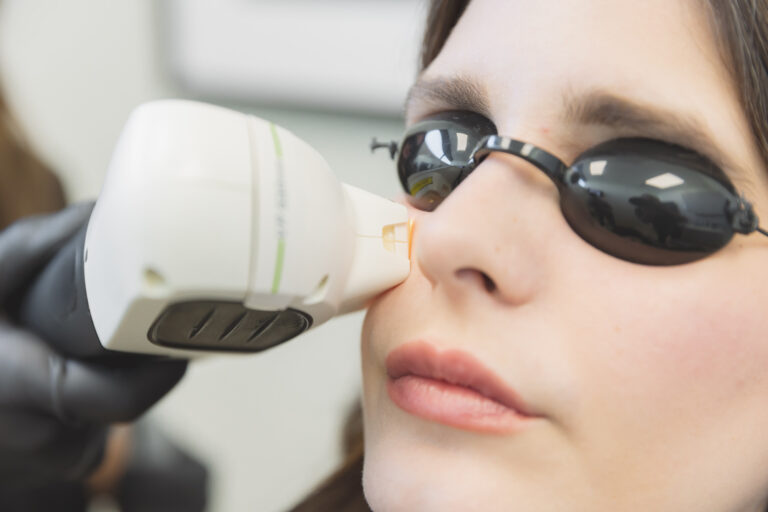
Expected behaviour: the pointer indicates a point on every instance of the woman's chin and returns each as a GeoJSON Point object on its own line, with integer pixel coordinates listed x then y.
{"type": "Point", "coordinates": [407, 471]}
{"type": "Point", "coordinates": [395, 482]}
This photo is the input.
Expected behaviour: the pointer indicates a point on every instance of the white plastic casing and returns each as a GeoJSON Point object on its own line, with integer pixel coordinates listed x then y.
{"type": "Point", "coordinates": [204, 203]}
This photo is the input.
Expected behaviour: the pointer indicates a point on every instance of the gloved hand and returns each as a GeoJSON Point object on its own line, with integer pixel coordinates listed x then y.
{"type": "Point", "coordinates": [54, 410]}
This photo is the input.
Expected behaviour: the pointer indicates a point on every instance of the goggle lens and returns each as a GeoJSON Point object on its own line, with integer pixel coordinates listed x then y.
{"type": "Point", "coordinates": [438, 155]}
{"type": "Point", "coordinates": [641, 200]}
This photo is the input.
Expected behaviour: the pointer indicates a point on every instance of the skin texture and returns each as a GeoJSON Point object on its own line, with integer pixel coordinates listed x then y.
{"type": "Point", "coordinates": [652, 380]}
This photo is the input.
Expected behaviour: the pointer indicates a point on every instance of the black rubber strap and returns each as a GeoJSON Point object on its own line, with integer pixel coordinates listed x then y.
{"type": "Point", "coordinates": [543, 160]}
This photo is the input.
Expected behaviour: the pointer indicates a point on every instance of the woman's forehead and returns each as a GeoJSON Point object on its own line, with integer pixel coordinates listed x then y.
{"type": "Point", "coordinates": [532, 49]}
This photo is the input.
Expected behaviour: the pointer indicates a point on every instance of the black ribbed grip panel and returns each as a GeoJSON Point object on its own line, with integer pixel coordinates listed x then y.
{"type": "Point", "coordinates": [225, 326]}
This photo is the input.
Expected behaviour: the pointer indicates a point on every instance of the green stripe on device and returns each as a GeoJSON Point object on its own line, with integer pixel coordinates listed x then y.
{"type": "Point", "coordinates": [278, 265]}
{"type": "Point", "coordinates": [278, 274]}
{"type": "Point", "coordinates": [276, 140]}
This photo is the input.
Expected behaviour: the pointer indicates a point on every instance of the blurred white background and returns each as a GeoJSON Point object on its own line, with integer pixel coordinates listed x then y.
{"type": "Point", "coordinates": [268, 425]}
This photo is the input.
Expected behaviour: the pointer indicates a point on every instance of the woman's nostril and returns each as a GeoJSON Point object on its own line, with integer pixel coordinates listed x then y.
{"type": "Point", "coordinates": [477, 276]}
{"type": "Point", "coordinates": [490, 286]}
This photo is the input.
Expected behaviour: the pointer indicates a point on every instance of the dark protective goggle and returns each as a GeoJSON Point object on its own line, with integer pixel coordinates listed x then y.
{"type": "Point", "coordinates": [641, 200]}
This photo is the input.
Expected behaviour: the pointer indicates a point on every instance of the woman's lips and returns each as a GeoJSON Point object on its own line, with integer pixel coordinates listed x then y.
{"type": "Point", "coordinates": [454, 388]}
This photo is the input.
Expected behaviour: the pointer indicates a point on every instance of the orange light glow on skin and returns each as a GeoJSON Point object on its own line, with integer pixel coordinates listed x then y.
{"type": "Point", "coordinates": [411, 223]}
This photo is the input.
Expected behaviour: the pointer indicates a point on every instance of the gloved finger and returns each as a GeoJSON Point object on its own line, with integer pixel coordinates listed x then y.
{"type": "Point", "coordinates": [28, 243]}
{"type": "Point", "coordinates": [64, 452]}
{"type": "Point", "coordinates": [26, 431]}
{"type": "Point", "coordinates": [90, 392]}
{"type": "Point", "coordinates": [35, 377]}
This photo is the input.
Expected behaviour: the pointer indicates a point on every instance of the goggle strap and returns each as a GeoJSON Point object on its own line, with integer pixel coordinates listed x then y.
{"type": "Point", "coordinates": [743, 218]}
{"type": "Point", "coordinates": [391, 146]}
{"type": "Point", "coordinates": [541, 159]}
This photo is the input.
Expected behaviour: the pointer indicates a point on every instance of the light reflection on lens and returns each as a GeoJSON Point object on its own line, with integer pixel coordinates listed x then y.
{"type": "Point", "coordinates": [434, 141]}
{"type": "Point", "coordinates": [597, 168]}
{"type": "Point", "coordinates": [665, 181]}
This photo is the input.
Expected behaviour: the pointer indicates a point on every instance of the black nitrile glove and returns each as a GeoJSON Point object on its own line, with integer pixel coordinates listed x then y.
{"type": "Point", "coordinates": [160, 475]}
{"type": "Point", "coordinates": [54, 410]}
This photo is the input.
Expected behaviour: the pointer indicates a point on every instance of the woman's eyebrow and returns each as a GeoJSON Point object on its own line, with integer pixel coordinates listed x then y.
{"type": "Point", "coordinates": [602, 108]}
{"type": "Point", "coordinates": [594, 107]}
{"type": "Point", "coordinates": [460, 93]}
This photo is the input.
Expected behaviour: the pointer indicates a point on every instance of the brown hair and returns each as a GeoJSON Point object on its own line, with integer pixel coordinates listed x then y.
{"type": "Point", "coordinates": [27, 186]}
{"type": "Point", "coordinates": [741, 28]}
{"type": "Point", "coordinates": [343, 490]}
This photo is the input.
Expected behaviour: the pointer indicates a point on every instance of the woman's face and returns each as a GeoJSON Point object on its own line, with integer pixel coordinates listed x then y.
{"type": "Point", "coordinates": [650, 384]}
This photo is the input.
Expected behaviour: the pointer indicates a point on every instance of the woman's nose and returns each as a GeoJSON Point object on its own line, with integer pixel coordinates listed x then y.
{"type": "Point", "coordinates": [486, 239]}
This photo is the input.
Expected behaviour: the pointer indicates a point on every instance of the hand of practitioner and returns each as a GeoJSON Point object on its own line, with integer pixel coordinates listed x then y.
{"type": "Point", "coordinates": [55, 410]}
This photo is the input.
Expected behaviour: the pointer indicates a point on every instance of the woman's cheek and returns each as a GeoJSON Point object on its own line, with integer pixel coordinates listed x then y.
{"type": "Point", "coordinates": [685, 353]}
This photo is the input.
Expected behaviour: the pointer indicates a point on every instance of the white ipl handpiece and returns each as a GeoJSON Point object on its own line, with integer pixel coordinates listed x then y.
{"type": "Point", "coordinates": [219, 231]}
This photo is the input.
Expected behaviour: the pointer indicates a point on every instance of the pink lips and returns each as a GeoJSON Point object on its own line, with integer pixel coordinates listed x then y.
{"type": "Point", "coordinates": [454, 388]}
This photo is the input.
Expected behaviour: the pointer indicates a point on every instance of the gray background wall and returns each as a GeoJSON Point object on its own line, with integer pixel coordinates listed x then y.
{"type": "Point", "coordinates": [268, 425]}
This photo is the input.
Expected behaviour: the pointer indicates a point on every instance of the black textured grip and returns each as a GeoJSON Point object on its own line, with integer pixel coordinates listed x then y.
{"type": "Point", "coordinates": [225, 326]}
